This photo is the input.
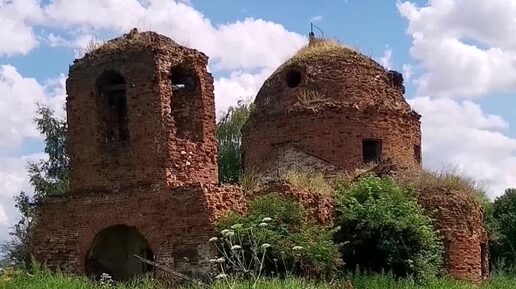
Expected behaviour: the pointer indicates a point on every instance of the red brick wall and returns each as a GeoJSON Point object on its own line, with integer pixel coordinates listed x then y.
{"type": "Point", "coordinates": [320, 208]}
{"type": "Point", "coordinates": [154, 153]}
{"type": "Point", "coordinates": [176, 223]}
{"type": "Point", "coordinates": [334, 136]}
{"type": "Point", "coordinates": [163, 182]}
{"type": "Point", "coordinates": [343, 98]}
{"type": "Point", "coordinates": [460, 220]}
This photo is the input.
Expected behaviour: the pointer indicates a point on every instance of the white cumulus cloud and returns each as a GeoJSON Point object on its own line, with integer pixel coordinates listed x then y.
{"type": "Point", "coordinates": [467, 47]}
{"type": "Point", "coordinates": [462, 135]}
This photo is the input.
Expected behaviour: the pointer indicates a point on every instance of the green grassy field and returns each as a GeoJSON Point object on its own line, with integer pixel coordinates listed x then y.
{"type": "Point", "coordinates": [45, 280]}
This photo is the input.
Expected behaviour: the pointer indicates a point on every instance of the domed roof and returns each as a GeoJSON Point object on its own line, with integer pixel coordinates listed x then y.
{"type": "Point", "coordinates": [326, 73]}
{"type": "Point", "coordinates": [134, 40]}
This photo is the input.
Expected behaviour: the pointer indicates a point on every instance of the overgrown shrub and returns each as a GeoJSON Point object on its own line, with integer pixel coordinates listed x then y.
{"type": "Point", "coordinates": [274, 239]}
{"type": "Point", "coordinates": [383, 228]}
{"type": "Point", "coordinates": [503, 249]}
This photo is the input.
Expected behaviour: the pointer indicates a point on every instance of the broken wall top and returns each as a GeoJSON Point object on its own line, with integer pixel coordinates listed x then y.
{"type": "Point", "coordinates": [138, 42]}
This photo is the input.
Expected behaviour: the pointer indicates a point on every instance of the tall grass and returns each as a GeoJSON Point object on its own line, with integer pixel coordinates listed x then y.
{"type": "Point", "coordinates": [46, 280]}
{"type": "Point", "coordinates": [312, 181]}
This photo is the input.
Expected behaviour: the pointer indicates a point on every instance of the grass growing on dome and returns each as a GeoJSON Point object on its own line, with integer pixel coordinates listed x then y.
{"type": "Point", "coordinates": [324, 46]}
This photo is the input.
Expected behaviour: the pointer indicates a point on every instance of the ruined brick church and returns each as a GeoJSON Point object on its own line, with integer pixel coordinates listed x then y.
{"type": "Point", "coordinates": [143, 153]}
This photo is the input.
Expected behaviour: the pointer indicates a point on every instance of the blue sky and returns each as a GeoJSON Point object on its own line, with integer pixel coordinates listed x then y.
{"type": "Point", "coordinates": [458, 58]}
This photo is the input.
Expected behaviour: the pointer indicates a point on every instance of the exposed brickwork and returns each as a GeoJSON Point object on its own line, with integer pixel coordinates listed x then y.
{"type": "Point", "coordinates": [176, 223]}
{"type": "Point", "coordinates": [146, 161]}
{"type": "Point", "coordinates": [342, 99]}
{"type": "Point", "coordinates": [314, 113]}
{"type": "Point", "coordinates": [320, 208]}
{"type": "Point", "coordinates": [459, 218]}
{"type": "Point", "coordinates": [155, 153]}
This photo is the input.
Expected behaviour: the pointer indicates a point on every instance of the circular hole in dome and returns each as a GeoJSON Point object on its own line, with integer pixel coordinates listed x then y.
{"type": "Point", "coordinates": [293, 78]}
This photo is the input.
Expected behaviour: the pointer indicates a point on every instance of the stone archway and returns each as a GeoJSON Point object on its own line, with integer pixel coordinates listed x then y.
{"type": "Point", "coordinates": [113, 250]}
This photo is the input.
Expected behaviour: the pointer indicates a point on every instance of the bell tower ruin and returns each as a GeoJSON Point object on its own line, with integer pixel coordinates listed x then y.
{"type": "Point", "coordinates": [143, 163]}
{"type": "Point", "coordinates": [140, 114]}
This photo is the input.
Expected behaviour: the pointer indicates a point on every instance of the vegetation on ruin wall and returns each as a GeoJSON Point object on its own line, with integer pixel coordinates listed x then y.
{"type": "Point", "coordinates": [368, 207]}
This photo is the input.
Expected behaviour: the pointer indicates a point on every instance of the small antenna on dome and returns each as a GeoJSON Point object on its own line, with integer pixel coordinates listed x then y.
{"type": "Point", "coordinates": [311, 35]}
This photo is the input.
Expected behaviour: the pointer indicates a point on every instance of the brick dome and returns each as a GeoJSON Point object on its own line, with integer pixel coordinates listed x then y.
{"type": "Point", "coordinates": [326, 73]}
{"type": "Point", "coordinates": [334, 107]}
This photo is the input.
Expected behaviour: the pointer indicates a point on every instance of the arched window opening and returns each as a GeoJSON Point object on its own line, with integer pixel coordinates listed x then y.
{"type": "Point", "coordinates": [186, 103]}
{"type": "Point", "coordinates": [112, 91]}
{"type": "Point", "coordinates": [112, 253]}
{"type": "Point", "coordinates": [293, 78]}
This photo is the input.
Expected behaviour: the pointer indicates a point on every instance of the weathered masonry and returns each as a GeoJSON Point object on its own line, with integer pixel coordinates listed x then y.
{"type": "Point", "coordinates": [143, 154]}
{"type": "Point", "coordinates": [141, 131]}
{"type": "Point", "coordinates": [331, 109]}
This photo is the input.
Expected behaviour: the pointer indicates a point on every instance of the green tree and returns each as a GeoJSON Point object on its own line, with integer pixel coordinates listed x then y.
{"type": "Point", "coordinates": [229, 139]}
{"type": "Point", "coordinates": [48, 177]}
{"type": "Point", "coordinates": [382, 227]}
{"type": "Point", "coordinates": [504, 218]}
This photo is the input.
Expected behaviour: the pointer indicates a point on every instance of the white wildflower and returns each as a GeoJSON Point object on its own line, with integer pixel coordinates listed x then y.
{"type": "Point", "coordinates": [224, 232]}
{"type": "Point", "coordinates": [230, 234]}
{"type": "Point", "coordinates": [221, 260]}
{"type": "Point", "coordinates": [267, 219]}
{"type": "Point", "coordinates": [236, 247]}
{"type": "Point", "coordinates": [263, 225]}
{"type": "Point", "coordinates": [265, 246]}
{"type": "Point", "coordinates": [213, 261]}
{"type": "Point", "coordinates": [297, 248]}
{"type": "Point", "coordinates": [221, 276]}
{"type": "Point", "coordinates": [213, 239]}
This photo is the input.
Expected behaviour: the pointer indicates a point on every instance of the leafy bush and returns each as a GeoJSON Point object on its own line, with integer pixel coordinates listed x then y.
{"type": "Point", "coordinates": [504, 215]}
{"type": "Point", "coordinates": [382, 227]}
{"type": "Point", "coordinates": [274, 239]}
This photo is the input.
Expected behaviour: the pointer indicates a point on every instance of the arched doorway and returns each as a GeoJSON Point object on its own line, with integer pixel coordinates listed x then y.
{"type": "Point", "coordinates": [113, 251]}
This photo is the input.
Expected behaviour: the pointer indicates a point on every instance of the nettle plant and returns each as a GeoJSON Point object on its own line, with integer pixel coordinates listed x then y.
{"type": "Point", "coordinates": [273, 239]}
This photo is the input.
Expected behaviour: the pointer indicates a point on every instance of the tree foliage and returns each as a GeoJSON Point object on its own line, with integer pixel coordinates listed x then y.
{"type": "Point", "coordinates": [229, 139]}
{"type": "Point", "coordinates": [382, 227]}
{"type": "Point", "coordinates": [48, 177]}
{"type": "Point", "coordinates": [504, 215]}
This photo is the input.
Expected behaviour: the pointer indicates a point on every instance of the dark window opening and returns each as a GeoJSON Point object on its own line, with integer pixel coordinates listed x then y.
{"type": "Point", "coordinates": [293, 78]}
{"type": "Point", "coordinates": [182, 79]}
{"type": "Point", "coordinates": [371, 150]}
{"type": "Point", "coordinates": [112, 89]}
{"type": "Point", "coordinates": [484, 257]}
{"type": "Point", "coordinates": [113, 251]}
{"type": "Point", "coordinates": [417, 153]}
{"type": "Point", "coordinates": [186, 103]}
